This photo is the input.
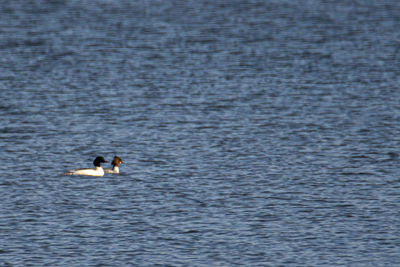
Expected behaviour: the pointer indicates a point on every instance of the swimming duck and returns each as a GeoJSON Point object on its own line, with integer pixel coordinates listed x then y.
{"type": "Point", "coordinates": [96, 171]}
{"type": "Point", "coordinates": [116, 161]}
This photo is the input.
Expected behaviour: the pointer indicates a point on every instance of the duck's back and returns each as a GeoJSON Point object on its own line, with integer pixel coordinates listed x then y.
{"type": "Point", "coordinates": [98, 171]}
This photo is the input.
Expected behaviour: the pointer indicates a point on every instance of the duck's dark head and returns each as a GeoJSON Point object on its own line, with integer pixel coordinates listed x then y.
{"type": "Point", "coordinates": [97, 162]}
{"type": "Point", "coordinates": [116, 161]}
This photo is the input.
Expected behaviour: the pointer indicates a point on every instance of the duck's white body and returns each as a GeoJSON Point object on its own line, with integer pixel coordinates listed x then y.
{"type": "Point", "coordinates": [97, 171]}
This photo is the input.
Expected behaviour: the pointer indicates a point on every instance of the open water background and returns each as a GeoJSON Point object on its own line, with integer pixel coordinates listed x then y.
{"type": "Point", "coordinates": [255, 133]}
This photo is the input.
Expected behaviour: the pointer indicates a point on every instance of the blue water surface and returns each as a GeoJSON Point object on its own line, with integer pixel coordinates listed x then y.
{"type": "Point", "coordinates": [254, 133]}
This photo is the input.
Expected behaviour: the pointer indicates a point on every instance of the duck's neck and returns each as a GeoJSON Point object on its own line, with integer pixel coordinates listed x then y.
{"type": "Point", "coordinates": [115, 168]}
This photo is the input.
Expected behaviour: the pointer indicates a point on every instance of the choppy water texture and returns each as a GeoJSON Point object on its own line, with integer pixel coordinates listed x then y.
{"type": "Point", "coordinates": [255, 133]}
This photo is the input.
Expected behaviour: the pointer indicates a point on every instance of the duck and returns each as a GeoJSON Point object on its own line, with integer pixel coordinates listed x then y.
{"type": "Point", "coordinates": [96, 171]}
{"type": "Point", "coordinates": [116, 161]}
